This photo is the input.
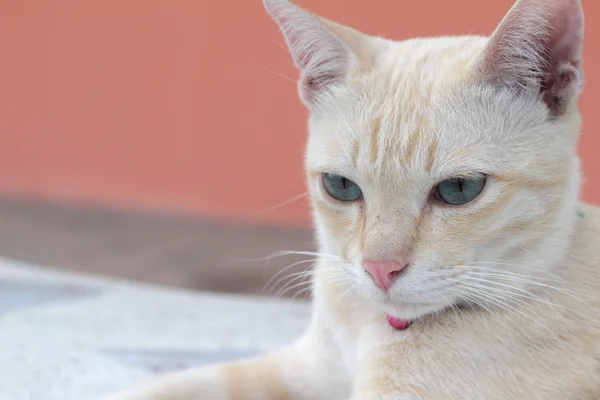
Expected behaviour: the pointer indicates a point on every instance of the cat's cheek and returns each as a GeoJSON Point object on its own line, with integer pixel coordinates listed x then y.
{"type": "Point", "coordinates": [343, 228]}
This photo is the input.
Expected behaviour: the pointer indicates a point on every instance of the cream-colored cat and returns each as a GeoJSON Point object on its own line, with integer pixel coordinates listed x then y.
{"type": "Point", "coordinates": [456, 260]}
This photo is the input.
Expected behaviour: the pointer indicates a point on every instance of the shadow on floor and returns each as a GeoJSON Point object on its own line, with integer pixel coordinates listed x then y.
{"type": "Point", "coordinates": [158, 248]}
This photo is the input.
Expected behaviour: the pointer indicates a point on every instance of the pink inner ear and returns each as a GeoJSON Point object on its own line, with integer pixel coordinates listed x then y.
{"type": "Point", "coordinates": [302, 52]}
{"type": "Point", "coordinates": [552, 27]}
{"type": "Point", "coordinates": [538, 44]}
{"type": "Point", "coordinates": [321, 56]}
{"type": "Point", "coordinates": [310, 43]}
{"type": "Point", "coordinates": [567, 37]}
{"type": "Point", "coordinates": [293, 38]}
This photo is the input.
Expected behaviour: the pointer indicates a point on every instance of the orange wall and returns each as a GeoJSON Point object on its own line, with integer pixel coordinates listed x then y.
{"type": "Point", "coordinates": [170, 105]}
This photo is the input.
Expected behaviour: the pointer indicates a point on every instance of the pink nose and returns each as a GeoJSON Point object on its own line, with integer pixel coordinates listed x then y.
{"type": "Point", "coordinates": [383, 272]}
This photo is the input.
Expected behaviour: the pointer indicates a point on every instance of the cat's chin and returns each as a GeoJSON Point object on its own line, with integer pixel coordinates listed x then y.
{"type": "Point", "coordinates": [413, 311]}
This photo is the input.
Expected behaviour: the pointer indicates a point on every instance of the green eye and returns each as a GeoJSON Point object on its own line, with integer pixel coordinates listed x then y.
{"type": "Point", "coordinates": [457, 191]}
{"type": "Point", "coordinates": [340, 188]}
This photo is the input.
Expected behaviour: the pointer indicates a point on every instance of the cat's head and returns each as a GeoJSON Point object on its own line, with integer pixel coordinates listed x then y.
{"type": "Point", "coordinates": [442, 170]}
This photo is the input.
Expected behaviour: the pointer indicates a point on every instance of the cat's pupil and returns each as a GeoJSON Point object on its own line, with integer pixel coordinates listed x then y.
{"type": "Point", "coordinates": [458, 191]}
{"type": "Point", "coordinates": [340, 188]}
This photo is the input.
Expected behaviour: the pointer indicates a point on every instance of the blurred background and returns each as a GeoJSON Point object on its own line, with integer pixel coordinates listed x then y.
{"type": "Point", "coordinates": [162, 141]}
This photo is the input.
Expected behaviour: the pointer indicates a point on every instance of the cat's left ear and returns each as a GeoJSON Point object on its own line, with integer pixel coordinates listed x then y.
{"type": "Point", "coordinates": [324, 52]}
{"type": "Point", "coordinates": [537, 47]}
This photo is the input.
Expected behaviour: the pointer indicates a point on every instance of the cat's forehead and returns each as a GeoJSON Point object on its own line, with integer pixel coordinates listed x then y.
{"type": "Point", "coordinates": [418, 114]}
{"type": "Point", "coordinates": [432, 60]}
{"type": "Point", "coordinates": [397, 111]}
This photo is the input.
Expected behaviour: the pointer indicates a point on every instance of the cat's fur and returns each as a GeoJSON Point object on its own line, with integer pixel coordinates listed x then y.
{"type": "Point", "coordinates": [504, 292]}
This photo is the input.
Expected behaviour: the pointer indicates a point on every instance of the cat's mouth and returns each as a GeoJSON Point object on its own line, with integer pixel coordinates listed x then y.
{"type": "Point", "coordinates": [402, 316]}
{"type": "Point", "coordinates": [402, 324]}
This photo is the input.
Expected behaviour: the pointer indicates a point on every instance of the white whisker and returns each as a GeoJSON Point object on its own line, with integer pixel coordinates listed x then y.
{"type": "Point", "coordinates": [282, 253]}
{"type": "Point", "coordinates": [501, 303]}
{"type": "Point", "coordinates": [469, 298]}
{"type": "Point", "coordinates": [509, 296]}
{"type": "Point", "coordinates": [287, 288]}
{"type": "Point", "coordinates": [531, 282]}
{"type": "Point", "coordinates": [285, 269]}
{"type": "Point", "coordinates": [510, 265]}
{"type": "Point", "coordinates": [284, 203]}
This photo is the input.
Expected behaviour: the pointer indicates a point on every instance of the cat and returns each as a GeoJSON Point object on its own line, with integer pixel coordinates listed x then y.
{"type": "Point", "coordinates": [457, 261]}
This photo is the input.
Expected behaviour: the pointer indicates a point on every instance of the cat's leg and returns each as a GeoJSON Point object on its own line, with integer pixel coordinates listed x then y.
{"type": "Point", "coordinates": [305, 371]}
{"type": "Point", "coordinates": [263, 377]}
{"type": "Point", "coordinates": [381, 380]}
{"type": "Point", "coordinates": [382, 374]}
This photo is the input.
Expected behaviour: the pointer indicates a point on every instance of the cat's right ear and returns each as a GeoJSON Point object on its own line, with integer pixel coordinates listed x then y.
{"type": "Point", "coordinates": [324, 52]}
{"type": "Point", "coordinates": [537, 47]}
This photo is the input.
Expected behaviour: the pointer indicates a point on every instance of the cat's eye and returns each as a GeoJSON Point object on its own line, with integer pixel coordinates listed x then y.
{"type": "Point", "coordinates": [458, 191]}
{"type": "Point", "coordinates": [340, 188]}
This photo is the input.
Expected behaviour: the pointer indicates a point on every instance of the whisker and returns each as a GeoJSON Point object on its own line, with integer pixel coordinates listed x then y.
{"type": "Point", "coordinates": [305, 291]}
{"type": "Point", "coordinates": [295, 81]}
{"type": "Point", "coordinates": [531, 282]}
{"type": "Point", "coordinates": [306, 273]}
{"type": "Point", "coordinates": [531, 296]}
{"type": "Point", "coordinates": [287, 288]}
{"type": "Point", "coordinates": [283, 270]}
{"type": "Point", "coordinates": [333, 276]}
{"type": "Point", "coordinates": [519, 275]}
{"type": "Point", "coordinates": [528, 295]}
{"type": "Point", "coordinates": [284, 203]}
{"type": "Point", "coordinates": [452, 305]}
{"type": "Point", "coordinates": [469, 298]}
{"type": "Point", "coordinates": [509, 296]}
{"type": "Point", "coordinates": [294, 278]}
{"type": "Point", "coordinates": [493, 300]}
{"type": "Point", "coordinates": [282, 253]}
{"type": "Point", "coordinates": [339, 278]}
{"type": "Point", "coordinates": [510, 265]}
{"type": "Point", "coordinates": [508, 307]}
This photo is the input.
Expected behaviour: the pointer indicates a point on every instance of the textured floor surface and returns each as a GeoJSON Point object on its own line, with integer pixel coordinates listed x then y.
{"type": "Point", "coordinates": [64, 336]}
{"type": "Point", "coordinates": [164, 249]}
